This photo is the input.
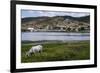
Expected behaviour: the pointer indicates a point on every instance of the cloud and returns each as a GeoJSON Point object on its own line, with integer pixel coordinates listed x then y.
{"type": "Point", "coordinates": [33, 13]}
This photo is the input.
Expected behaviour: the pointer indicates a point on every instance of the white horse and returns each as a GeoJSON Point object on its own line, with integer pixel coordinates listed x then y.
{"type": "Point", "coordinates": [34, 49]}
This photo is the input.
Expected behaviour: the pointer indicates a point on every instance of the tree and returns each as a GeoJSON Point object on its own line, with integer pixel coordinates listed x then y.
{"type": "Point", "coordinates": [82, 28]}
{"type": "Point", "coordinates": [68, 29]}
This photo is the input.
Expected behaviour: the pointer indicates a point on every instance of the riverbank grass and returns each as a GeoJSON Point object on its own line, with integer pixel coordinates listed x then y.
{"type": "Point", "coordinates": [79, 50]}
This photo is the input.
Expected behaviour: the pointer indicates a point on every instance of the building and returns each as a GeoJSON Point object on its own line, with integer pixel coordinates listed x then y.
{"type": "Point", "coordinates": [30, 29]}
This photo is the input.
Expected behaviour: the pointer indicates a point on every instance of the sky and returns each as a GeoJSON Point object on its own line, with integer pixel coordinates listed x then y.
{"type": "Point", "coordinates": [37, 13]}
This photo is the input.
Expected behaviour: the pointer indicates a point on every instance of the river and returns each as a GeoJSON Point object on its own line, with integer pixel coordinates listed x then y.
{"type": "Point", "coordinates": [50, 36]}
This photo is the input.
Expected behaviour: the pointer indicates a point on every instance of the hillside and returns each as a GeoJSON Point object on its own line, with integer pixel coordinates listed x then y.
{"type": "Point", "coordinates": [56, 23]}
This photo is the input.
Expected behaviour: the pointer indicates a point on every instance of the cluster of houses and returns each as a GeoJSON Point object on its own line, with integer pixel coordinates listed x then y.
{"type": "Point", "coordinates": [59, 28]}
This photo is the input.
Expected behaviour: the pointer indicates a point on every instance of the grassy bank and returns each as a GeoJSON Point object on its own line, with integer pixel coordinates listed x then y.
{"type": "Point", "coordinates": [79, 50]}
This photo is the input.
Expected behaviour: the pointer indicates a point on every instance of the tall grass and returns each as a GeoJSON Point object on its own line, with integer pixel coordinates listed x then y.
{"type": "Point", "coordinates": [79, 50]}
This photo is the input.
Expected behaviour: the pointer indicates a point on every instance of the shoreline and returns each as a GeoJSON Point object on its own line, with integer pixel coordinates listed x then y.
{"type": "Point", "coordinates": [59, 31]}
{"type": "Point", "coordinates": [47, 42]}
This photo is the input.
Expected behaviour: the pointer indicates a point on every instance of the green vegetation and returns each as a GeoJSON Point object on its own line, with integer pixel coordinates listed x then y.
{"type": "Point", "coordinates": [79, 50]}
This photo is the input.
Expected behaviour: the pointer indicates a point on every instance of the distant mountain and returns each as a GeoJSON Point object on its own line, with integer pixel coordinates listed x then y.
{"type": "Point", "coordinates": [28, 19]}
{"type": "Point", "coordinates": [83, 19]}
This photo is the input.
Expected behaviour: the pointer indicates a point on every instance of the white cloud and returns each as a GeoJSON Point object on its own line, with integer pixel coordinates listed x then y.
{"type": "Point", "coordinates": [53, 13]}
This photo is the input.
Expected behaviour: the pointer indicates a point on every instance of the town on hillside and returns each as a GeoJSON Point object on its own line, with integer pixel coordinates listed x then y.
{"type": "Point", "coordinates": [56, 23]}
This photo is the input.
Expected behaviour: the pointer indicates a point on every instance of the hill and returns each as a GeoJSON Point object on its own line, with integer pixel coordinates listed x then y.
{"type": "Point", "coordinates": [56, 23]}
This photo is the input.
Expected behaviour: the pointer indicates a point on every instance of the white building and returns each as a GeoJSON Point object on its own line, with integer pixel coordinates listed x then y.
{"type": "Point", "coordinates": [30, 29]}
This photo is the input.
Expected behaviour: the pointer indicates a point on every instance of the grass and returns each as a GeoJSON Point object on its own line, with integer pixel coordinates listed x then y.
{"type": "Point", "coordinates": [79, 50]}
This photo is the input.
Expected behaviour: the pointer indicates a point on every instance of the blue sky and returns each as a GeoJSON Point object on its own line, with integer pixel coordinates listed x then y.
{"type": "Point", "coordinates": [34, 13]}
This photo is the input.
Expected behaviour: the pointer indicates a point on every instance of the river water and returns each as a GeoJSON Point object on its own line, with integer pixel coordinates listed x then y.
{"type": "Point", "coordinates": [50, 36]}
